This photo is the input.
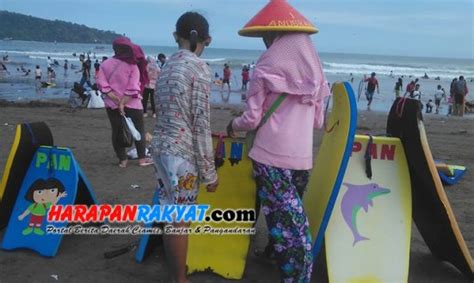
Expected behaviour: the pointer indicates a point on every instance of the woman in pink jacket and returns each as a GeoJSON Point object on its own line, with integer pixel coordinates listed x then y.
{"type": "Point", "coordinates": [122, 79]}
{"type": "Point", "coordinates": [282, 152]}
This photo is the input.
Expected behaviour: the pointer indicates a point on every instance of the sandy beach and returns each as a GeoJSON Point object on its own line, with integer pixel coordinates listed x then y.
{"type": "Point", "coordinates": [87, 133]}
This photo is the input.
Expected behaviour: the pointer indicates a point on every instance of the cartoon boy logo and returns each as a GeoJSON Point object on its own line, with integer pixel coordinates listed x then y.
{"type": "Point", "coordinates": [43, 194]}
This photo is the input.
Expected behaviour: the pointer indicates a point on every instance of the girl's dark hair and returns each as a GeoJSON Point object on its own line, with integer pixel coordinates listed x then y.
{"type": "Point", "coordinates": [41, 184]}
{"type": "Point", "coordinates": [193, 27]}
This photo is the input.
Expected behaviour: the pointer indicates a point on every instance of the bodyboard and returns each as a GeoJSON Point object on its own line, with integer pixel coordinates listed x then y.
{"type": "Point", "coordinates": [444, 168]}
{"type": "Point", "coordinates": [28, 137]}
{"type": "Point", "coordinates": [367, 210]}
{"type": "Point", "coordinates": [51, 169]}
{"type": "Point", "coordinates": [331, 163]}
{"type": "Point", "coordinates": [452, 179]}
{"type": "Point", "coordinates": [225, 254]}
{"type": "Point", "coordinates": [147, 242]}
{"type": "Point", "coordinates": [432, 211]}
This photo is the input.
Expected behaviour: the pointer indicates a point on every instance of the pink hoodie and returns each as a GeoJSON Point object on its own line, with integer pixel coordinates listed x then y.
{"type": "Point", "coordinates": [123, 79]}
{"type": "Point", "coordinates": [291, 66]}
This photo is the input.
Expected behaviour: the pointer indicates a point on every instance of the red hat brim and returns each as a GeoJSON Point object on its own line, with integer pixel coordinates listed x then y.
{"type": "Point", "coordinates": [277, 16]}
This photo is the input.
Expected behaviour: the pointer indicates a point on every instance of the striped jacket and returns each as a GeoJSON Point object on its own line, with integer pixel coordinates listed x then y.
{"type": "Point", "coordinates": [183, 118]}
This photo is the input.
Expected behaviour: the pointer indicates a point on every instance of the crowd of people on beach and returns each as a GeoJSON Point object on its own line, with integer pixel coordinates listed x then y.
{"type": "Point", "coordinates": [456, 99]}
{"type": "Point", "coordinates": [182, 150]}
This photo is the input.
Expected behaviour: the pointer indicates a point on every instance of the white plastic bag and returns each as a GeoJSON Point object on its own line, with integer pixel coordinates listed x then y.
{"type": "Point", "coordinates": [135, 133]}
{"type": "Point", "coordinates": [132, 153]}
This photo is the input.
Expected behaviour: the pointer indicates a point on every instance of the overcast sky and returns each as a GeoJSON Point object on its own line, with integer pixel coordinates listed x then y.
{"type": "Point", "coordinates": [431, 28]}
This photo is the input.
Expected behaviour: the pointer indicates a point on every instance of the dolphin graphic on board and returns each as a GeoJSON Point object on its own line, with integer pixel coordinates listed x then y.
{"type": "Point", "coordinates": [355, 198]}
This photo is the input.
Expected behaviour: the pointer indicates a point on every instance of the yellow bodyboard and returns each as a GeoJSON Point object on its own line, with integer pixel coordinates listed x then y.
{"type": "Point", "coordinates": [225, 254]}
{"type": "Point", "coordinates": [11, 156]}
{"type": "Point", "coordinates": [331, 162]}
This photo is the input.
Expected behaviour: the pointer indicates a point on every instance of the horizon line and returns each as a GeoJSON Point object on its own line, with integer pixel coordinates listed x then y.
{"type": "Point", "coordinates": [262, 50]}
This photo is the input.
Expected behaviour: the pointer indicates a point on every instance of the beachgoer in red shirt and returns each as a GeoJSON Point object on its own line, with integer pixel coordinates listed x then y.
{"type": "Point", "coordinates": [245, 77]}
{"type": "Point", "coordinates": [227, 74]}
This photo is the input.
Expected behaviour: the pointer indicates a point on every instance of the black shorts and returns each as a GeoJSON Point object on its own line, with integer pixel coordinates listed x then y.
{"type": "Point", "coordinates": [437, 102]}
{"type": "Point", "coordinates": [458, 98]}
{"type": "Point", "coordinates": [38, 77]}
{"type": "Point", "coordinates": [225, 81]}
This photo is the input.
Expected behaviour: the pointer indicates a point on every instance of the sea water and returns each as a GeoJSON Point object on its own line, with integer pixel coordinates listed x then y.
{"type": "Point", "coordinates": [337, 67]}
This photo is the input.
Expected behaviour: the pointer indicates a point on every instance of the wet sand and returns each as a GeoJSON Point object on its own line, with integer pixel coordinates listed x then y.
{"type": "Point", "coordinates": [87, 133]}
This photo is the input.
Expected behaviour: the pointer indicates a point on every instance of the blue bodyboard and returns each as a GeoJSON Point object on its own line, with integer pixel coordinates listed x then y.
{"type": "Point", "coordinates": [452, 180]}
{"type": "Point", "coordinates": [53, 177]}
{"type": "Point", "coordinates": [146, 244]}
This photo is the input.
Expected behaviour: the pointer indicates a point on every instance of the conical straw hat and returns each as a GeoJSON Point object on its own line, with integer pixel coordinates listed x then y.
{"type": "Point", "coordinates": [277, 15]}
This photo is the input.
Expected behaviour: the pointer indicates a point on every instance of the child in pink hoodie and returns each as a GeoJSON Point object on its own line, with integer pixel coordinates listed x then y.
{"type": "Point", "coordinates": [282, 151]}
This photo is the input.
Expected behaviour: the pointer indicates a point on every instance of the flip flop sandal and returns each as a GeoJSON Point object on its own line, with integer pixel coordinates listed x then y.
{"type": "Point", "coordinates": [147, 162]}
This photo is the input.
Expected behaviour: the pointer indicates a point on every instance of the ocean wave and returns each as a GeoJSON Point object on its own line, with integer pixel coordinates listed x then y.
{"type": "Point", "coordinates": [70, 59]}
{"type": "Point", "coordinates": [214, 60]}
{"type": "Point", "coordinates": [361, 69]}
{"type": "Point", "coordinates": [53, 55]}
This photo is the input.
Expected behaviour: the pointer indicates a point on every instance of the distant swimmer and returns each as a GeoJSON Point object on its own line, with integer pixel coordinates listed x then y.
{"type": "Point", "coordinates": [38, 73]}
{"type": "Point", "coordinates": [227, 73]}
{"type": "Point", "coordinates": [429, 106]}
{"type": "Point", "coordinates": [245, 77]}
{"type": "Point", "coordinates": [398, 87]}
{"type": "Point", "coordinates": [50, 62]}
{"type": "Point", "coordinates": [425, 76]}
{"type": "Point", "coordinates": [4, 68]}
{"type": "Point", "coordinates": [416, 93]}
{"type": "Point", "coordinates": [372, 84]}
{"type": "Point", "coordinates": [439, 94]}
{"type": "Point", "coordinates": [411, 87]}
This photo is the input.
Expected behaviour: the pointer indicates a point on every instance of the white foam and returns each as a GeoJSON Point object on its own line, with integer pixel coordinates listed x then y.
{"type": "Point", "coordinates": [361, 69]}
{"type": "Point", "coordinates": [214, 60]}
